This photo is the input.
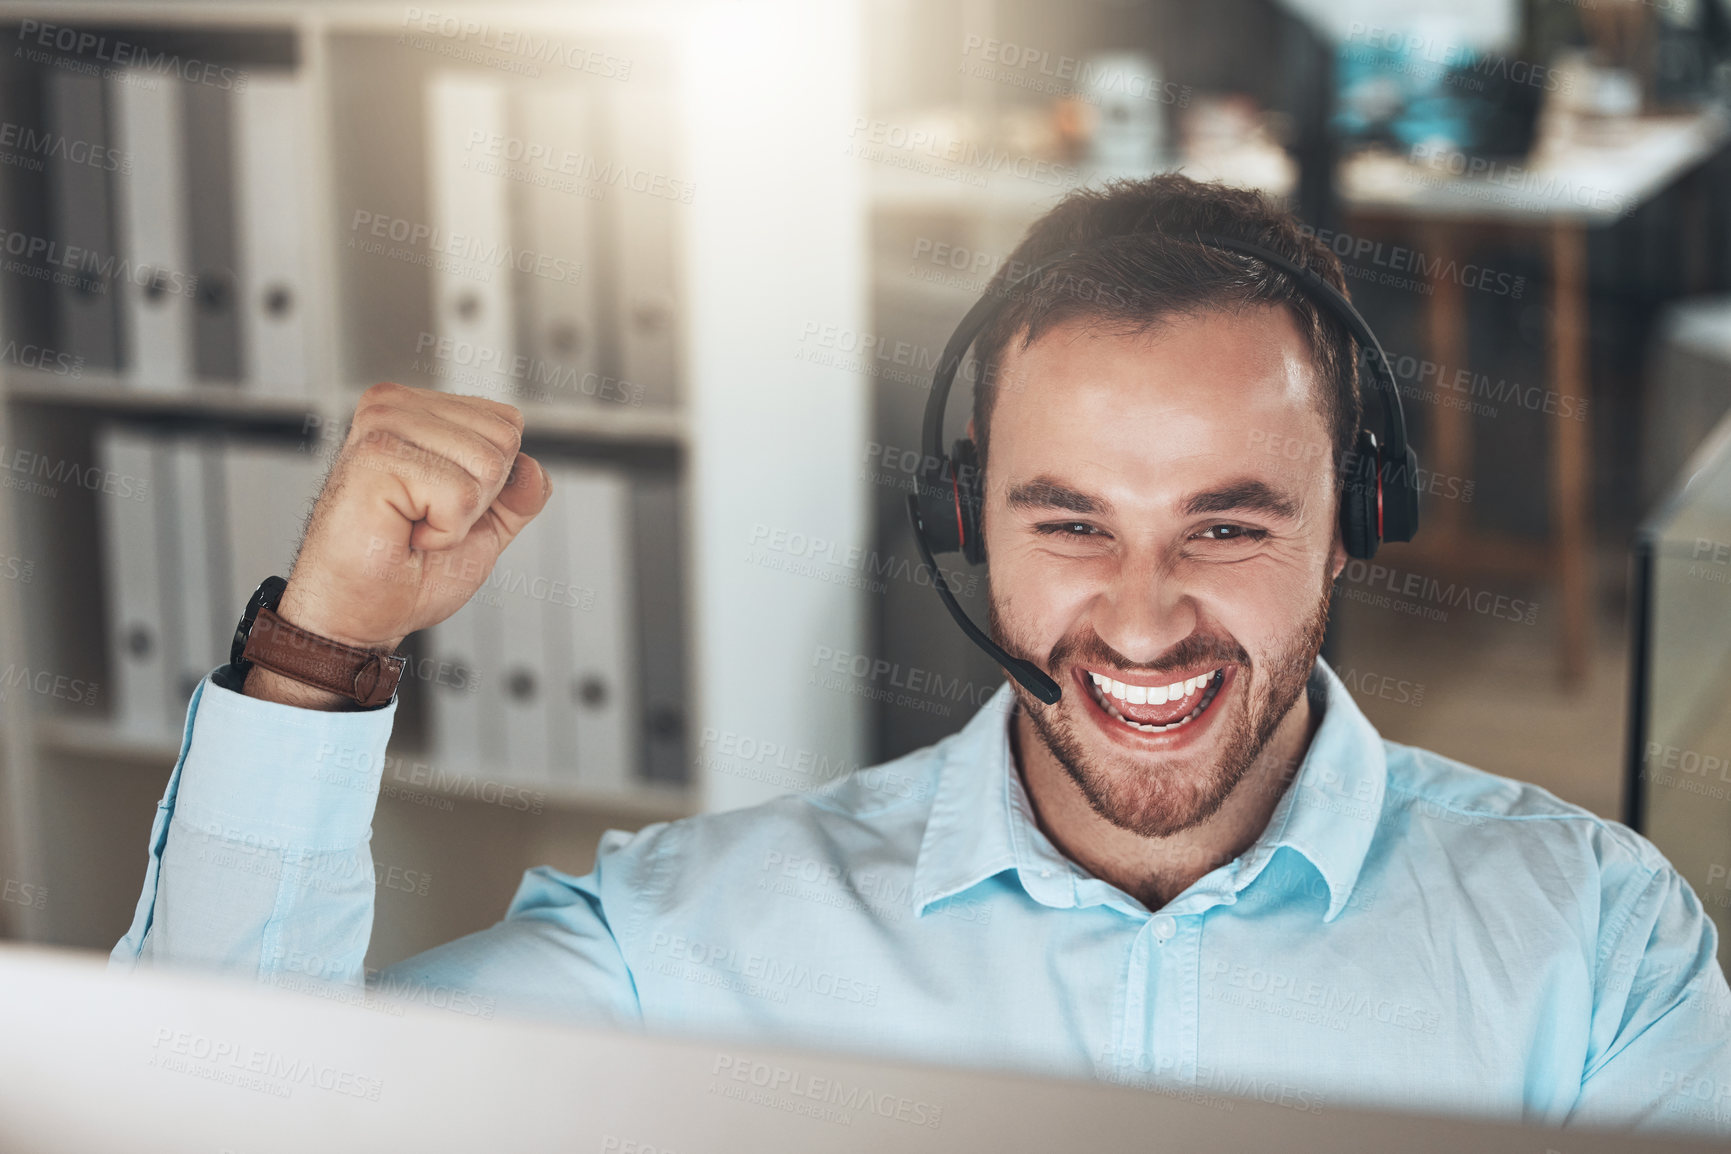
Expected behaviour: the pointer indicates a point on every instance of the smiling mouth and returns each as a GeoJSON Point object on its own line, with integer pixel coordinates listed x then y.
{"type": "Point", "coordinates": [1158, 708]}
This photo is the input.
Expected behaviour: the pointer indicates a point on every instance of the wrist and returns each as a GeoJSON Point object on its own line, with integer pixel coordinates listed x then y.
{"type": "Point", "coordinates": [290, 653]}
{"type": "Point", "coordinates": [267, 685]}
{"type": "Point", "coordinates": [302, 610]}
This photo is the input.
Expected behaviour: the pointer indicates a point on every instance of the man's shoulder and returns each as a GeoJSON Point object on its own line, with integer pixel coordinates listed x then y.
{"type": "Point", "coordinates": [881, 808]}
{"type": "Point", "coordinates": [1425, 787]}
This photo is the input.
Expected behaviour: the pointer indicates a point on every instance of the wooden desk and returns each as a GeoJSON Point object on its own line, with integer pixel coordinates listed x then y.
{"type": "Point", "coordinates": [1559, 195]}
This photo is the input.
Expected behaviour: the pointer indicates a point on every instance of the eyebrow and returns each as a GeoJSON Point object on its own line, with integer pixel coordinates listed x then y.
{"type": "Point", "coordinates": [1242, 496]}
{"type": "Point", "coordinates": [1045, 493]}
{"type": "Point", "coordinates": [1245, 496]}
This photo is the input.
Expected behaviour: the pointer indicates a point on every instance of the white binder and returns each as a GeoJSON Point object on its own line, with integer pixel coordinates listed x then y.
{"type": "Point", "coordinates": [646, 227]}
{"type": "Point", "coordinates": [559, 326]}
{"type": "Point", "coordinates": [527, 582]}
{"type": "Point", "coordinates": [461, 649]}
{"type": "Point", "coordinates": [471, 283]}
{"type": "Point", "coordinates": [199, 612]}
{"type": "Point", "coordinates": [272, 147]}
{"type": "Point", "coordinates": [150, 221]}
{"type": "Point", "coordinates": [208, 120]}
{"type": "Point", "coordinates": [87, 318]}
{"type": "Point", "coordinates": [135, 585]}
{"type": "Point", "coordinates": [595, 713]}
{"type": "Point", "coordinates": [267, 492]}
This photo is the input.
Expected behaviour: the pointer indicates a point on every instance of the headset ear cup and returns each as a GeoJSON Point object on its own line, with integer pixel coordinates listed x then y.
{"type": "Point", "coordinates": [965, 467]}
{"type": "Point", "coordinates": [1358, 499]}
{"type": "Point", "coordinates": [935, 497]}
{"type": "Point", "coordinates": [1400, 501]}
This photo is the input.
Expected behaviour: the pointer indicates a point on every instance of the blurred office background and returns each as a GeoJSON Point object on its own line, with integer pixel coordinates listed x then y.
{"type": "Point", "coordinates": [713, 251]}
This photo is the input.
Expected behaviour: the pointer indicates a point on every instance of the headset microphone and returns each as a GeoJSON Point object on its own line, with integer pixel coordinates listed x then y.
{"type": "Point", "coordinates": [947, 506]}
{"type": "Point", "coordinates": [1030, 675]}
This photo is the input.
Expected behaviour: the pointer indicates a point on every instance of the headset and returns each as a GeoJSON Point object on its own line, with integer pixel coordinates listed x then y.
{"type": "Point", "coordinates": [1377, 503]}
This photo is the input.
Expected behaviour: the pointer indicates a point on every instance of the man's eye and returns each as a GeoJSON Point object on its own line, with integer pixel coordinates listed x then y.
{"type": "Point", "coordinates": [1066, 529]}
{"type": "Point", "coordinates": [1232, 533]}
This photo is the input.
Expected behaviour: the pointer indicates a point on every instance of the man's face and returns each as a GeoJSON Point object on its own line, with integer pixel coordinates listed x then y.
{"type": "Point", "coordinates": [1160, 514]}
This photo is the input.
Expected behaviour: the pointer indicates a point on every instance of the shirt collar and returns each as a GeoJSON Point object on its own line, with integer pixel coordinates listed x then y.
{"type": "Point", "coordinates": [982, 823]}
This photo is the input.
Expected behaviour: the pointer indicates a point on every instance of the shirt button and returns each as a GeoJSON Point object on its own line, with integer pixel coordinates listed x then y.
{"type": "Point", "coordinates": [1045, 873]}
{"type": "Point", "coordinates": [1164, 927]}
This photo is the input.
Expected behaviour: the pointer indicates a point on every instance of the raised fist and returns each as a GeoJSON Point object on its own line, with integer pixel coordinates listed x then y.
{"type": "Point", "coordinates": [426, 493]}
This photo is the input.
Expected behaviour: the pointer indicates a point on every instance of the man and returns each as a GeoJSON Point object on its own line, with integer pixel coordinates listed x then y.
{"type": "Point", "coordinates": [1200, 868]}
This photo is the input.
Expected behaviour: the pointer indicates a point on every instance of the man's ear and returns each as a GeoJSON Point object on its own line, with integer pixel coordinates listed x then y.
{"type": "Point", "coordinates": [1337, 555]}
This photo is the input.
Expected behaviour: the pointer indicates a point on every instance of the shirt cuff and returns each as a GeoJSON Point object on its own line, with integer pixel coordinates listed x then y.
{"type": "Point", "coordinates": [259, 770]}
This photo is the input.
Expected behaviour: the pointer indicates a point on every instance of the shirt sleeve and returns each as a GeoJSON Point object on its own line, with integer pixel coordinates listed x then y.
{"type": "Point", "coordinates": [1660, 1048]}
{"type": "Point", "coordinates": [260, 863]}
{"type": "Point", "coordinates": [260, 852]}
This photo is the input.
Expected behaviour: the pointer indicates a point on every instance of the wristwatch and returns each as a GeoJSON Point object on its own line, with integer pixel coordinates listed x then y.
{"type": "Point", "coordinates": [366, 676]}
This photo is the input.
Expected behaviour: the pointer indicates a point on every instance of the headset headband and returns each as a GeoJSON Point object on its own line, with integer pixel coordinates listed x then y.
{"type": "Point", "coordinates": [984, 310]}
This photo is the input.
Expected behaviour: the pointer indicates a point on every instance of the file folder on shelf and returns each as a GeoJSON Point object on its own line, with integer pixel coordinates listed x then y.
{"type": "Point", "coordinates": [645, 228]}
{"type": "Point", "coordinates": [272, 145]}
{"type": "Point", "coordinates": [560, 330]}
{"type": "Point", "coordinates": [658, 561]}
{"type": "Point", "coordinates": [86, 314]}
{"type": "Point", "coordinates": [528, 585]}
{"type": "Point", "coordinates": [462, 651]}
{"type": "Point", "coordinates": [200, 614]}
{"type": "Point", "coordinates": [132, 508]}
{"type": "Point", "coordinates": [471, 284]}
{"type": "Point", "coordinates": [595, 711]}
{"type": "Point", "coordinates": [151, 200]}
{"type": "Point", "coordinates": [209, 207]}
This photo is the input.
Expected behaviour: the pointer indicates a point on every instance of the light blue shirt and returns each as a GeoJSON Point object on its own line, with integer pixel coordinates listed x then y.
{"type": "Point", "coordinates": [1407, 931]}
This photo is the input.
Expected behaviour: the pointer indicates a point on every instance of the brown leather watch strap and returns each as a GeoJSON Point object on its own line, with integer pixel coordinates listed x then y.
{"type": "Point", "coordinates": [365, 675]}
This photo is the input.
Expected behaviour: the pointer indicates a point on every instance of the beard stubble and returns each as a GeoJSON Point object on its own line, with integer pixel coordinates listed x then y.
{"type": "Point", "coordinates": [1169, 799]}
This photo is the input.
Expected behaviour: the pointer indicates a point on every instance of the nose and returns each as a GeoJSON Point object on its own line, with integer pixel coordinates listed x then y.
{"type": "Point", "coordinates": [1144, 609]}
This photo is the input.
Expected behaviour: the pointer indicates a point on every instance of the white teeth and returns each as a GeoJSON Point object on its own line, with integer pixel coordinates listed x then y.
{"type": "Point", "coordinates": [1156, 695]}
{"type": "Point", "coordinates": [1151, 694]}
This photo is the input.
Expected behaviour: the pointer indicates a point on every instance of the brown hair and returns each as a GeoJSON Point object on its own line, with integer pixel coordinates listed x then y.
{"type": "Point", "coordinates": [1130, 265]}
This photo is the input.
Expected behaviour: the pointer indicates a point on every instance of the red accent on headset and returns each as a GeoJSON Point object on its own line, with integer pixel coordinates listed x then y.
{"type": "Point", "coordinates": [955, 492]}
{"type": "Point", "coordinates": [1379, 493]}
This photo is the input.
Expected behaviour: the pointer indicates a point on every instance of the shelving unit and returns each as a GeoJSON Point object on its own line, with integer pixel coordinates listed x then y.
{"type": "Point", "coordinates": [98, 740]}
{"type": "Point", "coordinates": [772, 233]}
{"type": "Point", "coordinates": [110, 397]}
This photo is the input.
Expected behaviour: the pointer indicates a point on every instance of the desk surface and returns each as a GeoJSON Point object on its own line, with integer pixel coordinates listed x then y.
{"type": "Point", "coordinates": [1585, 181]}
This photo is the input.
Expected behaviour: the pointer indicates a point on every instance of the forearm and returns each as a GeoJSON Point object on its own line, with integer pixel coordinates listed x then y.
{"type": "Point", "coordinates": [1661, 1057]}
{"type": "Point", "coordinates": [259, 858]}
{"type": "Point", "coordinates": [260, 855]}
{"type": "Point", "coordinates": [232, 903]}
